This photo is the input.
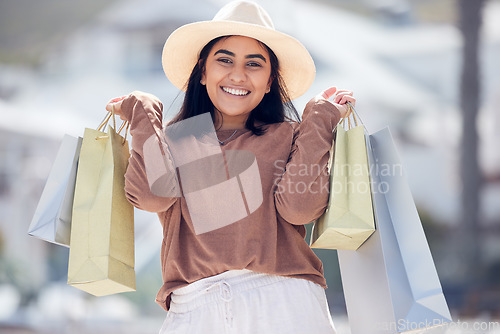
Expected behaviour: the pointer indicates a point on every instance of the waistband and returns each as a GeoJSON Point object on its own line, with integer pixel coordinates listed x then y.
{"type": "Point", "coordinates": [219, 287]}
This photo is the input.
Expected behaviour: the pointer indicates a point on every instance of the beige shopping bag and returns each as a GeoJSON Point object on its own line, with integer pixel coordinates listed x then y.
{"type": "Point", "coordinates": [348, 220]}
{"type": "Point", "coordinates": [101, 258]}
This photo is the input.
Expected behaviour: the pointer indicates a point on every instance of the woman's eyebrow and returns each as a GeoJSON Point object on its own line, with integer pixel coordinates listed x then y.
{"type": "Point", "coordinates": [229, 53]}
{"type": "Point", "coordinates": [257, 55]}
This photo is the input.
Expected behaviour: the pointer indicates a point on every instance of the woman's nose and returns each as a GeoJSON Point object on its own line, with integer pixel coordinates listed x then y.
{"type": "Point", "coordinates": [237, 74]}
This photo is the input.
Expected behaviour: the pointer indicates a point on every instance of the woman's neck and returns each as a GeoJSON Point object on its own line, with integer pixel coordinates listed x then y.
{"type": "Point", "coordinates": [229, 123]}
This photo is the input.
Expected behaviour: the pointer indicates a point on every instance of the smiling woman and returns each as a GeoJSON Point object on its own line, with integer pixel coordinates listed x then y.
{"type": "Point", "coordinates": [237, 75]}
{"type": "Point", "coordinates": [254, 272]}
{"type": "Point", "coordinates": [274, 107]}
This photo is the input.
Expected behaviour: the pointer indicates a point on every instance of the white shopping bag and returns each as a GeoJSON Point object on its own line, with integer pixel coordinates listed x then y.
{"type": "Point", "coordinates": [390, 283]}
{"type": "Point", "coordinates": [52, 219]}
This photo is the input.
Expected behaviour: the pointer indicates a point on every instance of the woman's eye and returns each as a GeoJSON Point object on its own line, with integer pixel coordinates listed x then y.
{"type": "Point", "coordinates": [254, 64]}
{"type": "Point", "coordinates": [224, 60]}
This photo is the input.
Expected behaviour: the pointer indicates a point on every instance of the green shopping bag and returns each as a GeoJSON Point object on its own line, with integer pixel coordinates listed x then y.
{"type": "Point", "coordinates": [101, 256]}
{"type": "Point", "coordinates": [348, 220]}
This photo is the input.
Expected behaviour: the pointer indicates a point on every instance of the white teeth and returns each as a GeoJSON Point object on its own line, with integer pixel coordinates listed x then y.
{"type": "Point", "coordinates": [239, 92]}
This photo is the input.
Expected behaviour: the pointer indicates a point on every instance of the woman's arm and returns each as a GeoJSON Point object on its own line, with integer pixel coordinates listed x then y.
{"type": "Point", "coordinates": [302, 193]}
{"type": "Point", "coordinates": [148, 159]}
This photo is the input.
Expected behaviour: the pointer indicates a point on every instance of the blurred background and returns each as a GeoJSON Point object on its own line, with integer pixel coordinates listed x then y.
{"type": "Point", "coordinates": [428, 69]}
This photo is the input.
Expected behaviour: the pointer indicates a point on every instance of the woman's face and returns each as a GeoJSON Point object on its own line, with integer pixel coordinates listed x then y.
{"type": "Point", "coordinates": [237, 75]}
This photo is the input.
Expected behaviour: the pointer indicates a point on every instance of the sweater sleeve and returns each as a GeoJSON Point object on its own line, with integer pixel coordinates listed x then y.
{"type": "Point", "coordinates": [148, 157]}
{"type": "Point", "coordinates": [302, 192]}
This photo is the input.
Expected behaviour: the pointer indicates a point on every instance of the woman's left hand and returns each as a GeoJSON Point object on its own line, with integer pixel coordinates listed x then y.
{"type": "Point", "coordinates": [340, 99]}
{"type": "Point", "coordinates": [116, 106]}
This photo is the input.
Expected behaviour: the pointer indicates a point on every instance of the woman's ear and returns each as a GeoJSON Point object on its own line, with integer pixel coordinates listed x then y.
{"type": "Point", "coordinates": [203, 79]}
{"type": "Point", "coordinates": [269, 83]}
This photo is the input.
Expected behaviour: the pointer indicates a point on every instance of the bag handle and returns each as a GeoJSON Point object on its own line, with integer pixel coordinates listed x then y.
{"type": "Point", "coordinates": [106, 121]}
{"type": "Point", "coordinates": [351, 114]}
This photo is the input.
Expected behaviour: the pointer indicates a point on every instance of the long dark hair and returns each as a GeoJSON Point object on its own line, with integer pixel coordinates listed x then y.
{"type": "Point", "coordinates": [275, 106]}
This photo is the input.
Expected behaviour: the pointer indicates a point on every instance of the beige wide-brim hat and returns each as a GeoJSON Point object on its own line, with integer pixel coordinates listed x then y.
{"type": "Point", "coordinates": [244, 18]}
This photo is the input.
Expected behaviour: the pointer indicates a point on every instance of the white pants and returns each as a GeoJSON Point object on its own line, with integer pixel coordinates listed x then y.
{"type": "Point", "coordinates": [244, 302]}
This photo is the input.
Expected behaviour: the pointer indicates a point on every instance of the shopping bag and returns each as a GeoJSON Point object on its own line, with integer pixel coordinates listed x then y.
{"type": "Point", "coordinates": [52, 219]}
{"type": "Point", "coordinates": [101, 257]}
{"type": "Point", "coordinates": [390, 283]}
{"type": "Point", "coordinates": [348, 220]}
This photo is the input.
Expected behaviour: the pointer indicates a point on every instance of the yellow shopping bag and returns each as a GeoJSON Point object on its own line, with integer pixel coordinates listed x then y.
{"type": "Point", "coordinates": [101, 257]}
{"type": "Point", "coordinates": [348, 220]}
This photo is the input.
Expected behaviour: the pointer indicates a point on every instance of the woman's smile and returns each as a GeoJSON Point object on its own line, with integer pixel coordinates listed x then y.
{"type": "Point", "coordinates": [236, 91]}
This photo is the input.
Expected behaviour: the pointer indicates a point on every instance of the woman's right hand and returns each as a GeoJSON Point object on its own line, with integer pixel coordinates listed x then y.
{"type": "Point", "coordinates": [116, 103]}
{"type": "Point", "coordinates": [340, 99]}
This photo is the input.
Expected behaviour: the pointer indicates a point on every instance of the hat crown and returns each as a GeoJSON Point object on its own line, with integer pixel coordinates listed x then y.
{"type": "Point", "coordinates": [244, 12]}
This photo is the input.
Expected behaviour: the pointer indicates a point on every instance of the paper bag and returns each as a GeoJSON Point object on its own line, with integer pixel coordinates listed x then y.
{"type": "Point", "coordinates": [101, 258]}
{"type": "Point", "coordinates": [348, 220]}
{"type": "Point", "coordinates": [52, 219]}
{"type": "Point", "coordinates": [390, 283]}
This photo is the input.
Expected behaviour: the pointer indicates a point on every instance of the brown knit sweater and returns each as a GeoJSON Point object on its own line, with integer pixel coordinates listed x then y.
{"type": "Point", "coordinates": [291, 160]}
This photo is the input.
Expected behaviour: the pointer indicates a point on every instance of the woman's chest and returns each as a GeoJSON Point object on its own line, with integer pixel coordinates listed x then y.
{"type": "Point", "coordinates": [263, 157]}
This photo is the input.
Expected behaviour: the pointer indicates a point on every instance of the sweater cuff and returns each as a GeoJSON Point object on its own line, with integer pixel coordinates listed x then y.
{"type": "Point", "coordinates": [150, 106]}
{"type": "Point", "coordinates": [325, 110]}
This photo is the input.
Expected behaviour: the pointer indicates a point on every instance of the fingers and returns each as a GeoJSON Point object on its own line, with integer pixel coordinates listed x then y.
{"type": "Point", "coordinates": [340, 96]}
{"type": "Point", "coordinates": [115, 104]}
{"type": "Point", "coordinates": [328, 93]}
{"type": "Point", "coordinates": [114, 101]}
{"type": "Point", "coordinates": [340, 99]}
{"type": "Point", "coordinates": [344, 96]}
{"type": "Point", "coordinates": [118, 99]}
{"type": "Point", "coordinates": [109, 106]}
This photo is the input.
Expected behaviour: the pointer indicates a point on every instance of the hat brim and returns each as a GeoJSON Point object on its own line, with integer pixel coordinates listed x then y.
{"type": "Point", "coordinates": [182, 48]}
